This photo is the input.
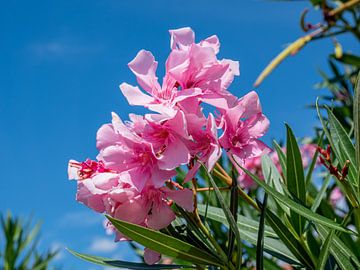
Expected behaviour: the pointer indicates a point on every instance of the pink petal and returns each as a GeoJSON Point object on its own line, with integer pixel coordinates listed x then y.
{"type": "Point", "coordinates": [176, 153]}
{"type": "Point", "coordinates": [151, 257]}
{"type": "Point", "coordinates": [159, 177]}
{"type": "Point", "coordinates": [184, 198]}
{"type": "Point", "coordinates": [257, 125]}
{"type": "Point", "coordinates": [134, 95]}
{"type": "Point", "coordinates": [72, 171]}
{"type": "Point", "coordinates": [212, 42]}
{"type": "Point", "coordinates": [144, 67]}
{"type": "Point", "coordinates": [182, 38]}
{"type": "Point", "coordinates": [92, 201]}
{"type": "Point", "coordinates": [132, 211]}
{"type": "Point", "coordinates": [106, 136]}
{"type": "Point", "coordinates": [160, 217]}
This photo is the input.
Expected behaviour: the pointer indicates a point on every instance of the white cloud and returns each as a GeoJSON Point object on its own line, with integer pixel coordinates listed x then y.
{"type": "Point", "coordinates": [102, 244]}
{"type": "Point", "coordinates": [81, 219]}
{"type": "Point", "coordinates": [61, 47]}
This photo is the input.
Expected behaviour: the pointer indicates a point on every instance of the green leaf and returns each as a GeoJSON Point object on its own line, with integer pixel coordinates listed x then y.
{"type": "Point", "coordinates": [260, 241]}
{"type": "Point", "coordinates": [349, 59]}
{"type": "Point", "coordinates": [356, 117]}
{"type": "Point", "coordinates": [122, 264]}
{"type": "Point", "coordinates": [229, 217]}
{"type": "Point", "coordinates": [298, 208]}
{"type": "Point", "coordinates": [324, 254]}
{"type": "Point", "coordinates": [290, 240]}
{"type": "Point", "coordinates": [295, 178]}
{"type": "Point", "coordinates": [249, 231]}
{"type": "Point", "coordinates": [313, 161]}
{"type": "Point", "coordinates": [343, 146]}
{"type": "Point", "coordinates": [271, 174]}
{"type": "Point", "coordinates": [282, 158]}
{"type": "Point", "coordinates": [321, 193]}
{"type": "Point", "coordinates": [274, 179]}
{"type": "Point", "coordinates": [342, 254]}
{"type": "Point", "coordinates": [164, 244]}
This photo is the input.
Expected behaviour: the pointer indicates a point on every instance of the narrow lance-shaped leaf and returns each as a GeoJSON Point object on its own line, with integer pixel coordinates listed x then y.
{"type": "Point", "coordinates": [260, 241]}
{"type": "Point", "coordinates": [230, 218]}
{"type": "Point", "coordinates": [290, 240]}
{"type": "Point", "coordinates": [342, 254]}
{"type": "Point", "coordinates": [282, 158]}
{"type": "Point", "coordinates": [305, 212]}
{"type": "Point", "coordinates": [343, 146]}
{"type": "Point", "coordinates": [324, 254]}
{"type": "Point", "coordinates": [295, 178]}
{"type": "Point", "coordinates": [164, 244]}
{"type": "Point", "coordinates": [356, 117]}
{"type": "Point", "coordinates": [249, 231]}
{"type": "Point", "coordinates": [124, 265]}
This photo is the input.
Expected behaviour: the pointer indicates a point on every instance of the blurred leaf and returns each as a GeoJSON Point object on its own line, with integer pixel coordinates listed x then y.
{"type": "Point", "coordinates": [290, 240]}
{"type": "Point", "coordinates": [260, 240]}
{"type": "Point", "coordinates": [324, 254]}
{"type": "Point", "coordinates": [349, 59]}
{"type": "Point", "coordinates": [164, 244]}
{"type": "Point", "coordinates": [295, 178]}
{"type": "Point", "coordinates": [282, 158]}
{"type": "Point", "coordinates": [298, 208]}
{"type": "Point", "coordinates": [122, 264]}
{"type": "Point", "coordinates": [356, 117]}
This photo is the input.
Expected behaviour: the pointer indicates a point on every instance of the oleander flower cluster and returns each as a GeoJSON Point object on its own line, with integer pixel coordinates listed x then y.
{"type": "Point", "coordinates": [132, 178]}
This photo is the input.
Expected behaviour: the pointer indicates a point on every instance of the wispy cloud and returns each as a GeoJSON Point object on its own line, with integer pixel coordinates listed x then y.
{"type": "Point", "coordinates": [61, 47]}
{"type": "Point", "coordinates": [81, 219]}
{"type": "Point", "coordinates": [102, 244]}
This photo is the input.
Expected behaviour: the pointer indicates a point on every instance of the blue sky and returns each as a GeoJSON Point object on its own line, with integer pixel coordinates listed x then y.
{"type": "Point", "coordinates": [60, 66]}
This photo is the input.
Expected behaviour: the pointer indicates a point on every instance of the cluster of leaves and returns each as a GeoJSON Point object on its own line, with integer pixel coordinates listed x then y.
{"type": "Point", "coordinates": [19, 246]}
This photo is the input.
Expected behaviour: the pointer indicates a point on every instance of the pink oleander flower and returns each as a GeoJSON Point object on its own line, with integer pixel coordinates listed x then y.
{"type": "Point", "coordinates": [193, 74]}
{"type": "Point", "coordinates": [137, 157]}
{"type": "Point", "coordinates": [254, 164]}
{"type": "Point", "coordinates": [205, 145]}
{"type": "Point", "coordinates": [125, 151]}
{"type": "Point", "coordinates": [336, 196]}
{"type": "Point", "coordinates": [243, 125]}
{"type": "Point", "coordinates": [105, 190]}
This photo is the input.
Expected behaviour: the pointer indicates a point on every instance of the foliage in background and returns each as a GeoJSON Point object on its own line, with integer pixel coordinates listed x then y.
{"type": "Point", "coordinates": [19, 246]}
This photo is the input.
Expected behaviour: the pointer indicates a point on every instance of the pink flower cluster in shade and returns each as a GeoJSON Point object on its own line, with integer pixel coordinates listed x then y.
{"type": "Point", "coordinates": [307, 152]}
{"type": "Point", "coordinates": [137, 157]}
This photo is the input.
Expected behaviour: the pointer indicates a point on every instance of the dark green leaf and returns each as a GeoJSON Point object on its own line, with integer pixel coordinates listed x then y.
{"type": "Point", "coordinates": [249, 232]}
{"type": "Point", "coordinates": [230, 218]}
{"type": "Point", "coordinates": [122, 264]}
{"type": "Point", "coordinates": [164, 244]}
{"type": "Point", "coordinates": [324, 254]}
{"type": "Point", "coordinates": [342, 254]}
{"type": "Point", "coordinates": [343, 146]}
{"type": "Point", "coordinates": [349, 59]}
{"type": "Point", "coordinates": [356, 117]}
{"type": "Point", "coordinates": [290, 240]}
{"type": "Point", "coordinates": [295, 178]}
{"type": "Point", "coordinates": [305, 212]}
{"type": "Point", "coordinates": [260, 240]}
{"type": "Point", "coordinates": [282, 158]}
